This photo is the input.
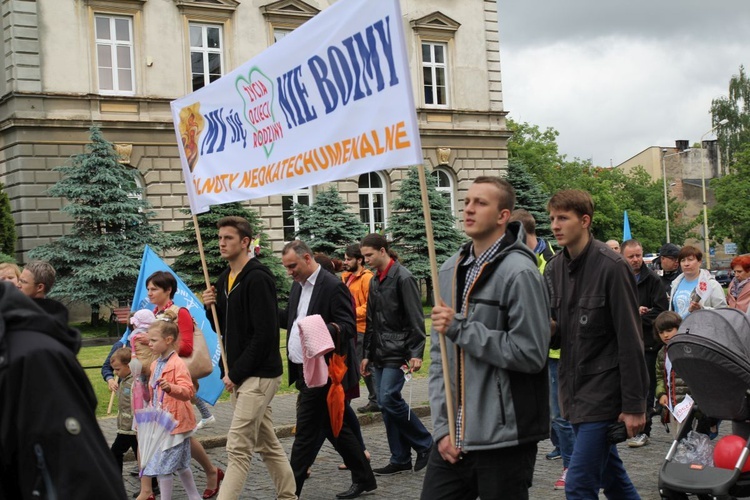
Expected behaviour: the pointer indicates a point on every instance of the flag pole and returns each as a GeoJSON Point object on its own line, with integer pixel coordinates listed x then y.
{"type": "Point", "coordinates": [111, 399]}
{"type": "Point", "coordinates": [208, 286]}
{"type": "Point", "coordinates": [436, 301]}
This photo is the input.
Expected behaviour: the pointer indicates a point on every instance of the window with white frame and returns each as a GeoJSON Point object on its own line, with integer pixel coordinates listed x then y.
{"type": "Point", "coordinates": [114, 54]}
{"type": "Point", "coordinates": [279, 33]}
{"type": "Point", "coordinates": [289, 221]}
{"type": "Point", "coordinates": [444, 182]}
{"type": "Point", "coordinates": [206, 54]}
{"type": "Point", "coordinates": [435, 73]}
{"type": "Point", "coordinates": [372, 201]}
{"type": "Point", "coordinates": [284, 16]}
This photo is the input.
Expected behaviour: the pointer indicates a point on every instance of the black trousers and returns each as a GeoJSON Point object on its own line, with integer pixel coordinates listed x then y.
{"type": "Point", "coordinates": [312, 419]}
{"type": "Point", "coordinates": [503, 473]}
{"type": "Point", "coordinates": [123, 443]}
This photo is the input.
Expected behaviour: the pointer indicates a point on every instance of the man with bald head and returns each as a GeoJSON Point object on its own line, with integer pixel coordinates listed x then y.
{"type": "Point", "coordinates": [614, 245]}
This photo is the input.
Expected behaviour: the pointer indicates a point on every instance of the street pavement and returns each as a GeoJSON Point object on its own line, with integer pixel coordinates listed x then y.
{"type": "Point", "coordinates": [642, 463]}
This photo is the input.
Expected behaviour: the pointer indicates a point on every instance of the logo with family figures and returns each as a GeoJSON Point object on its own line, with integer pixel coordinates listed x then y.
{"type": "Point", "coordinates": [257, 92]}
{"type": "Point", "coordinates": [191, 126]}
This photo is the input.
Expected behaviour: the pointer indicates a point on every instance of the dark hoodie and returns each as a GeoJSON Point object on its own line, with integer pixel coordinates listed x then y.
{"type": "Point", "coordinates": [248, 316]}
{"type": "Point", "coordinates": [51, 445]}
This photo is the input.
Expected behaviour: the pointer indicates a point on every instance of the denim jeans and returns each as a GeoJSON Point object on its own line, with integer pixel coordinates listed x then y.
{"type": "Point", "coordinates": [564, 437]}
{"type": "Point", "coordinates": [403, 428]}
{"type": "Point", "coordinates": [596, 464]}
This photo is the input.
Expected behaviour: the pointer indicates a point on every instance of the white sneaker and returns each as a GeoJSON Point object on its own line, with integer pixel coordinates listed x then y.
{"type": "Point", "coordinates": [205, 422]}
{"type": "Point", "coordinates": [638, 441]}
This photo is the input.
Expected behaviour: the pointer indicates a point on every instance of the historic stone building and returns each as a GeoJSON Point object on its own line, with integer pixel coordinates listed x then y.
{"type": "Point", "coordinates": [118, 64]}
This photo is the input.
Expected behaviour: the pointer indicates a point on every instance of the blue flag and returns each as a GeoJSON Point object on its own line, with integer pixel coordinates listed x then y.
{"type": "Point", "coordinates": [212, 385]}
{"type": "Point", "coordinates": [626, 228]}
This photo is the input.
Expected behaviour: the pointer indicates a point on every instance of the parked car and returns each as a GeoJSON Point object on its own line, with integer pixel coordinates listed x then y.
{"type": "Point", "coordinates": [724, 276]}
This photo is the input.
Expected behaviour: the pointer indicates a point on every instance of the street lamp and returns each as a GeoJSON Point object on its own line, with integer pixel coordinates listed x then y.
{"type": "Point", "coordinates": [664, 178]}
{"type": "Point", "coordinates": [703, 187]}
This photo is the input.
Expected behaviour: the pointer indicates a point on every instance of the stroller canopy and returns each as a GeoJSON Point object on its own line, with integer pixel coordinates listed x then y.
{"type": "Point", "coordinates": [711, 353]}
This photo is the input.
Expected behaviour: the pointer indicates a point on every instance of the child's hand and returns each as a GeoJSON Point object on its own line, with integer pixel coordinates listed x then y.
{"type": "Point", "coordinates": [663, 400]}
{"type": "Point", "coordinates": [112, 385]}
{"type": "Point", "coordinates": [164, 386]}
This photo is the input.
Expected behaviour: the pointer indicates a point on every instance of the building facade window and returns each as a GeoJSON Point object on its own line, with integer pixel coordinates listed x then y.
{"type": "Point", "coordinates": [290, 222]}
{"type": "Point", "coordinates": [279, 33]}
{"type": "Point", "coordinates": [436, 37]}
{"type": "Point", "coordinates": [372, 201]}
{"type": "Point", "coordinates": [435, 73]}
{"type": "Point", "coordinates": [445, 186]}
{"type": "Point", "coordinates": [284, 16]}
{"type": "Point", "coordinates": [206, 54]}
{"type": "Point", "coordinates": [114, 54]}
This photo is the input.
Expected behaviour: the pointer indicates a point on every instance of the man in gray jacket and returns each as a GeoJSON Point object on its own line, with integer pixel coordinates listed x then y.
{"type": "Point", "coordinates": [497, 333]}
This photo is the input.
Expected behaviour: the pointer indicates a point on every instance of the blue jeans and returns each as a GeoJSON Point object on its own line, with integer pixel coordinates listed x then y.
{"type": "Point", "coordinates": [403, 428]}
{"type": "Point", "coordinates": [595, 464]}
{"type": "Point", "coordinates": [562, 434]}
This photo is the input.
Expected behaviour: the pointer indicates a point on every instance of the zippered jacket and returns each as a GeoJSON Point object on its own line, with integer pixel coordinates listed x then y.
{"type": "Point", "coordinates": [502, 343]}
{"type": "Point", "coordinates": [652, 294]}
{"type": "Point", "coordinates": [249, 320]}
{"type": "Point", "coordinates": [602, 368]}
{"type": "Point", "coordinates": [360, 290]}
{"type": "Point", "coordinates": [395, 331]}
{"type": "Point", "coordinates": [52, 446]}
{"type": "Point", "coordinates": [712, 295]}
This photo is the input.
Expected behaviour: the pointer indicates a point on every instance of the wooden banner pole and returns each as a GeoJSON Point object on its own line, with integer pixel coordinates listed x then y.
{"type": "Point", "coordinates": [111, 399]}
{"type": "Point", "coordinates": [217, 328]}
{"type": "Point", "coordinates": [436, 300]}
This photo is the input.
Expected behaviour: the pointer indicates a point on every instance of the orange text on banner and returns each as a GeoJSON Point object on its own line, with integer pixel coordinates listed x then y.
{"type": "Point", "coordinates": [372, 143]}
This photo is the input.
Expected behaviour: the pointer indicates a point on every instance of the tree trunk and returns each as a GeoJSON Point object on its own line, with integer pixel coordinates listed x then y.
{"type": "Point", "coordinates": [94, 315]}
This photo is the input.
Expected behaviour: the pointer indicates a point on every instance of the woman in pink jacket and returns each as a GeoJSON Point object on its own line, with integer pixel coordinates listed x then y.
{"type": "Point", "coordinates": [171, 384]}
{"type": "Point", "coordinates": [738, 295]}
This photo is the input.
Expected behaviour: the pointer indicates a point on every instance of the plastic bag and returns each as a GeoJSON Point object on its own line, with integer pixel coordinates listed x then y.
{"type": "Point", "coordinates": [696, 448]}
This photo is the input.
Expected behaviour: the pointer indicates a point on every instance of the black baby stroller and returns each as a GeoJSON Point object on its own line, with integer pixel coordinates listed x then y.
{"type": "Point", "coordinates": [711, 353]}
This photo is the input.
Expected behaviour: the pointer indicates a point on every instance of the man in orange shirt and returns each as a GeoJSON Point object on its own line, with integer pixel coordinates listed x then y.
{"type": "Point", "coordinates": [357, 279]}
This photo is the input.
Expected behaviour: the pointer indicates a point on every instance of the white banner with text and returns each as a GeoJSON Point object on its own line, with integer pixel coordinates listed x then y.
{"type": "Point", "coordinates": [331, 100]}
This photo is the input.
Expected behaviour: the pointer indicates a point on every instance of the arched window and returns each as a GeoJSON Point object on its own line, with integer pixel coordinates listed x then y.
{"type": "Point", "coordinates": [291, 224]}
{"type": "Point", "coordinates": [140, 184]}
{"type": "Point", "coordinates": [445, 186]}
{"type": "Point", "coordinates": [372, 201]}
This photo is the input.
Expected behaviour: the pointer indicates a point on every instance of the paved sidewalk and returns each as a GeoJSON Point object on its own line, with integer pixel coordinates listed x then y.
{"type": "Point", "coordinates": [642, 464]}
{"type": "Point", "coordinates": [284, 414]}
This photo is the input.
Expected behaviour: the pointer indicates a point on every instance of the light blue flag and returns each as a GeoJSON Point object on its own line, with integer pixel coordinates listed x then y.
{"type": "Point", "coordinates": [210, 386]}
{"type": "Point", "coordinates": [626, 228]}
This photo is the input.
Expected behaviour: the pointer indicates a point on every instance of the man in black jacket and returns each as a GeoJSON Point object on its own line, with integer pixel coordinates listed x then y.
{"type": "Point", "coordinates": [670, 264]}
{"type": "Point", "coordinates": [394, 346]}
{"type": "Point", "coordinates": [245, 298]}
{"type": "Point", "coordinates": [603, 377]}
{"type": "Point", "coordinates": [52, 446]}
{"type": "Point", "coordinates": [315, 291]}
{"type": "Point", "coordinates": [652, 299]}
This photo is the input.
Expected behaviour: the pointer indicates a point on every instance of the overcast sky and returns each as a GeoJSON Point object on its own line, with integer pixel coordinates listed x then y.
{"type": "Point", "coordinates": [615, 77]}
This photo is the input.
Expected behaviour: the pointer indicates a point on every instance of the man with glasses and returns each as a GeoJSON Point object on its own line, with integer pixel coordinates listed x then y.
{"type": "Point", "coordinates": [37, 279]}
